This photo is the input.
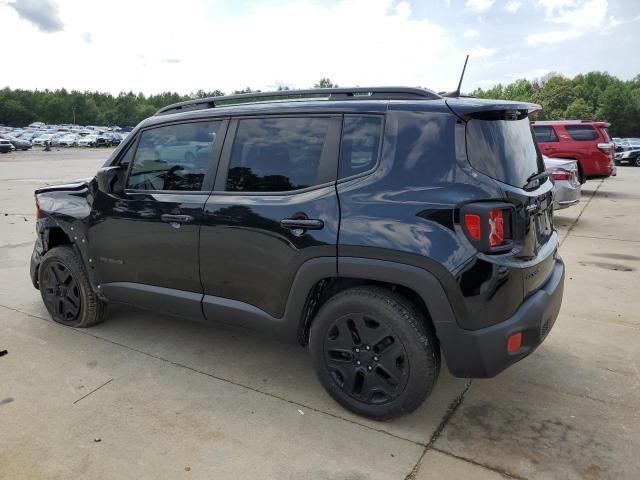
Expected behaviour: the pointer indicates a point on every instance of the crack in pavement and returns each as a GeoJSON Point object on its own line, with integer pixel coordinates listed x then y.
{"type": "Point", "coordinates": [93, 391]}
{"type": "Point", "coordinates": [451, 411]}
{"type": "Point", "coordinates": [505, 474]}
{"type": "Point", "coordinates": [215, 377]}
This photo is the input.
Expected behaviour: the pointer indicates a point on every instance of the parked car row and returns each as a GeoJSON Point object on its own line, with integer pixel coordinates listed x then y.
{"type": "Point", "coordinates": [627, 151]}
{"type": "Point", "coordinates": [39, 134]}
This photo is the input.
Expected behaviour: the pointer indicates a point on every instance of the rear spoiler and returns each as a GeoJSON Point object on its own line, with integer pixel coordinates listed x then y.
{"type": "Point", "coordinates": [468, 108]}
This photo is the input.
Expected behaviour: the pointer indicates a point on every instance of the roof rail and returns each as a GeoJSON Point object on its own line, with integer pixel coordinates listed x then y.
{"type": "Point", "coordinates": [357, 93]}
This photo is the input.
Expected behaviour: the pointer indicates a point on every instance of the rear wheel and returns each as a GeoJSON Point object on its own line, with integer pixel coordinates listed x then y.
{"type": "Point", "coordinates": [637, 161]}
{"type": "Point", "coordinates": [374, 353]}
{"type": "Point", "coordinates": [66, 290]}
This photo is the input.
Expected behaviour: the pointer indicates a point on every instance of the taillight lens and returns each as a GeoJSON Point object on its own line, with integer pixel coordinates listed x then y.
{"type": "Point", "coordinates": [560, 174]}
{"type": "Point", "coordinates": [488, 225]}
{"type": "Point", "coordinates": [496, 228]}
{"type": "Point", "coordinates": [472, 223]}
{"type": "Point", "coordinates": [38, 213]}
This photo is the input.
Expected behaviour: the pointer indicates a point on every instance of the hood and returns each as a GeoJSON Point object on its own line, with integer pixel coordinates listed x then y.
{"type": "Point", "coordinates": [70, 186]}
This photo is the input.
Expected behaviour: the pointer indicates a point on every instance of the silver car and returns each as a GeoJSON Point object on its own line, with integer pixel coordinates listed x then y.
{"type": "Point", "coordinates": [566, 181]}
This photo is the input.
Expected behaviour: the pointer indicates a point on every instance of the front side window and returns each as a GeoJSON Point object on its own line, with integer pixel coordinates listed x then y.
{"type": "Point", "coordinates": [173, 157]}
{"type": "Point", "coordinates": [582, 133]}
{"type": "Point", "coordinates": [279, 154]}
{"type": "Point", "coordinates": [360, 144]}
{"type": "Point", "coordinates": [545, 134]}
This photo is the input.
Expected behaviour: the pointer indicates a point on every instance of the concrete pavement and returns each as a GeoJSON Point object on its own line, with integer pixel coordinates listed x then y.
{"type": "Point", "coordinates": [147, 396]}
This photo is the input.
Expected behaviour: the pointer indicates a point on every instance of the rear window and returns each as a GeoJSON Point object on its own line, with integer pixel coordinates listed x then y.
{"type": "Point", "coordinates": [504, 150]}
{"type": "Point", "coordinates": [582, 133]}
{"type": "Point", "coordinates": [545, 134]}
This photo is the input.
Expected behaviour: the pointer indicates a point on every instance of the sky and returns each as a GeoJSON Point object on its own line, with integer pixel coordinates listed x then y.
{"type": "Point", "coordinates": [187, 45]}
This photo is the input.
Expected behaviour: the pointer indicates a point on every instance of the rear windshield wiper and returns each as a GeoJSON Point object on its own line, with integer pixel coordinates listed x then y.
{"type": "Point", "coordinates": [537, 176]}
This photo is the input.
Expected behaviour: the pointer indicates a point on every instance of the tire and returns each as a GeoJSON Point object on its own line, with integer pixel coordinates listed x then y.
{"type": "Point", "coordinates": [66, 290]}
{"type": "Point", "coordinates": [581, 177]}
{"type": "Point", "coordinates": [397, 351]}
{"type": "Point", "coordinates": [637, 161]}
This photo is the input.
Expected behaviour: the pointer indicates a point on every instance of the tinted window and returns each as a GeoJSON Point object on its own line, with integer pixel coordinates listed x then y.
{"type": "Point", "coordinates": [174, 157]}
{"type": "Point", "coordinates": [582, 133]}
{"type": "Point", "coordinates": [360, 144]}
{"type": "Point", "coordinates": [278, 155]}
{"type": "Point", "coordinates": [545, 134]}
{"type": "Point", "coordinates": [503, 149]}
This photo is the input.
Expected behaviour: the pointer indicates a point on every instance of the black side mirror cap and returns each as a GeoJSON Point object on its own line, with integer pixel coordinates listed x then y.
{"type": "Point", "coordinates": [111, 179]}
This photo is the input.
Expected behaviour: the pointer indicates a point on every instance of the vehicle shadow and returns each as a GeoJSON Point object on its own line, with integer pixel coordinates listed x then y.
{"type": "Point", "coordinates": [255, 361]}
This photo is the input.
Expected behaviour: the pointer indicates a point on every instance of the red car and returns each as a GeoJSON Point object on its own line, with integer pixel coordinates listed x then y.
{"type": "Point", "coordinates": [585, 141]}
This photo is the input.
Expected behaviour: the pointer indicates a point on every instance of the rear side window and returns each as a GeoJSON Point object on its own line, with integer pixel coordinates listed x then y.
{"type": "Point", "coordinates": [280, 155]}
{"type": "Point", "coordinates": [582, 133]}
{"type": "Point", "coordinates": [360, 148]}
{"type": "Point", "coordinates": [545, 134]}
{"type": "Point", "coordinates": [173, 157]}
{"type": "Point", "coordinates": [504, 150]}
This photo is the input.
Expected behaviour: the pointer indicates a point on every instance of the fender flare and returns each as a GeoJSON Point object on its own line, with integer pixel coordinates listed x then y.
{"type": "Point", "coordinates": [423, 282]}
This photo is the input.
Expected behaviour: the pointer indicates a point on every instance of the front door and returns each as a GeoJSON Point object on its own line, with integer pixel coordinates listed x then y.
{"type": "Point", "coordinates": [144, 241]}
{"type": "Point", "coordinates": [274, 206]}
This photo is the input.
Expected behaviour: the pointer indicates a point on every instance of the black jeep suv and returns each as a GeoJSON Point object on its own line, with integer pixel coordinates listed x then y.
{"type": "Point", "coordinates": [377, 226]}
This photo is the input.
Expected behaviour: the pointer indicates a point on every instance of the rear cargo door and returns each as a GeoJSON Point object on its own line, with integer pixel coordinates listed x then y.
{"type": "Point", "coordinates": [500, 144]}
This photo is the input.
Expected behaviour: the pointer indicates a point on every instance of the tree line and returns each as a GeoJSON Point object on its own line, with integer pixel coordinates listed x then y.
{"type": "Point", "coordinates": [19, 108]}
{"type": "Point", "coordinates": [592, 96]}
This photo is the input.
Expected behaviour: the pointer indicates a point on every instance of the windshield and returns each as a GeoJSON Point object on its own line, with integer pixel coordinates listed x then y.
{"type": "Point", "coordinates": [504, 150]}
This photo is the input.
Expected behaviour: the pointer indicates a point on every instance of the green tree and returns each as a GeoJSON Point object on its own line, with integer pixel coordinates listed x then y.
{"type": "Point", "coordinates": [325, 82]}
{"type": "Point", "coordinates": [580, 110]}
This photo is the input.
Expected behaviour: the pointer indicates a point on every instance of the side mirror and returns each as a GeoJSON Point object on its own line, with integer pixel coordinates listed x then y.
{"type": "Point", "coordinates": [111, 179]}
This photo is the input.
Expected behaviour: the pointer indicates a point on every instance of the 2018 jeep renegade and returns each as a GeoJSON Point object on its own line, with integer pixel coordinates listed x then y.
{"type": "Point", "coordinates": [377, 226]}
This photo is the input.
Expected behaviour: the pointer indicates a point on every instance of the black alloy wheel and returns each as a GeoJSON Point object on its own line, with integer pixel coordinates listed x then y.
{"type": "Point", "coordinates": [66, 290]}
{"type": "Point", "coordinates": [61, 292]}
{"type": "Point", "coordinates": [366, 359]}
{"type": "Point", "coordinates": [374, 352]}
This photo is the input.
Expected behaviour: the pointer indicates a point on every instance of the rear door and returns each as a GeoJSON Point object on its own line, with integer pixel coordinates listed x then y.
{"type": "Point", "coordinates": [145, 239]}
{"type": "Point", "coordinates": [547, 138]}
{"type": "Point", "coordinates": [274, 207]}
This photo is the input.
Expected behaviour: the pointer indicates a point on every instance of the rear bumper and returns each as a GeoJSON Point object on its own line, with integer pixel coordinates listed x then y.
{"type": "Point", "coordinates": [566, 194]}
{"type": "Point", "coordinates": [483, 353]}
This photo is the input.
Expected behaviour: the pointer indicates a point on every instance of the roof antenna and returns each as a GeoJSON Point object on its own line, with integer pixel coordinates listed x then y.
{"type": "Point", "coordinates": [456, 92]}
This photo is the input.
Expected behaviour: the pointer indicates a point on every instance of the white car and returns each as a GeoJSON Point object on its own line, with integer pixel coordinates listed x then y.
{"type": "Point", "coordinates": [87, 141]}
{"type": "Point", "coordinates": [566, 180]}
{"type": "Point", "coordinates": [41, 140]}
{"type": "Point", "coordinates": [69, 140]}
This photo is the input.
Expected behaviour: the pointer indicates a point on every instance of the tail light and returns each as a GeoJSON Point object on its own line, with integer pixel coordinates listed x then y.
{"type": "Point", "coordinates": [607, 148]}
{"type": "Point", "coordinates": [560, 173]}
{"type": "Point", "coordinates": [38, 212]}
{"type": "Point", "coordinates": [488, 225]}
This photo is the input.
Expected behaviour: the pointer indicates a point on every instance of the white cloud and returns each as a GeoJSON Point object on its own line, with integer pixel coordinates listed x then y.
{"type": "Point", "coordinates": [479, 5]}
{"type": "Point", "coordinates": [471, 33]}
{"type": "Point", "coordinates": [554, 36]}
{"type": "Point", "coordinates": [579, 17]}
{"type": "Point", "coordinates": [589, 14]}
{"type": "Point", "coordinates": [257, 47]}
{"type": "Point", "coordinates": [479, 52]}
{"type": "Point", "coordinates": [513, 6]}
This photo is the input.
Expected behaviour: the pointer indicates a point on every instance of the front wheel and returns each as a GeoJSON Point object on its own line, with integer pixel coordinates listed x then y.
{"type": "Point", "coordinates": [66, 290]}
{"type": "Point", "coordinates": [374, 352]}
{"type": "Point", "coordinates": [637, 162]}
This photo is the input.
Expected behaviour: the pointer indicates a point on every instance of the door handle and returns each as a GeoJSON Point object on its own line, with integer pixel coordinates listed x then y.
{"type": "Point", "coordinates": [302, 223]}
{"type": "Point", "coordinates": [166, 217]}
